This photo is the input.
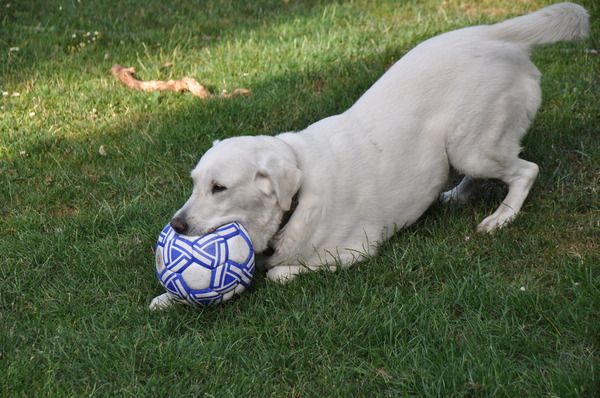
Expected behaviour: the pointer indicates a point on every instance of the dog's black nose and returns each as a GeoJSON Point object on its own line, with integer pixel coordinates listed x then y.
{"type": "Point", "coordinates": [179, 225]}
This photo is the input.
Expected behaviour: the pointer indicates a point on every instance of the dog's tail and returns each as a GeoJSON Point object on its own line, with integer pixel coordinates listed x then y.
{"type": "Point", "coordinates": [558, 22]}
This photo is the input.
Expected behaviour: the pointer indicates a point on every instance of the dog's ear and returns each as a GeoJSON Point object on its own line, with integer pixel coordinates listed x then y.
{"type": "Point", "coordinates": [280, 176]}
{"type": "Point", "coordinates": [215, 142]}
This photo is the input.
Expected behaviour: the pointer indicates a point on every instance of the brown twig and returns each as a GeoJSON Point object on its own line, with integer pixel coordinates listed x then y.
{"type": "Point", "coordinates": [126, 76]}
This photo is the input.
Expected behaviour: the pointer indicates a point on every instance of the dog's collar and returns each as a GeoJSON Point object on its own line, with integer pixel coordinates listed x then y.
{"type": "Point", "coordinates": [270, 250]}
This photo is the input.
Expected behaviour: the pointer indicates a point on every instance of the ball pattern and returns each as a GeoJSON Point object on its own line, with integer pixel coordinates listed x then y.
{"type": "Point", "coordinates": [205, 269]}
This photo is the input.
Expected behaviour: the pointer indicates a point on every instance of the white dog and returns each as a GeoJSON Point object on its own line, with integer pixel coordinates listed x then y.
{"type": "Point", "coordinates": [329, 194]}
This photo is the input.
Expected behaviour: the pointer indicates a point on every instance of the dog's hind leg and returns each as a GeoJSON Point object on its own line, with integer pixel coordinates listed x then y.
{"type": "Point", "coordinates": [519, 177]}
{"type": "Point", "coordinates": [487, 145]}
{"type": "Point", "coordinates": [460, 193]}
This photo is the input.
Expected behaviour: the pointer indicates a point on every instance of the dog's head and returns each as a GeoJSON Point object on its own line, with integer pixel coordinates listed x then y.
{"type": "Point", "coordinates": [251, 180]}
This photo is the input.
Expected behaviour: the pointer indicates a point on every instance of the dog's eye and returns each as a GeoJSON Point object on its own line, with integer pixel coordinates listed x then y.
{"type": "Point", "coordinates": [216, 187]}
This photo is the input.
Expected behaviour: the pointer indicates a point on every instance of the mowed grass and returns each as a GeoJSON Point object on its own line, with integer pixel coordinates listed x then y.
{"type": "Point", "coordinates": [440, 311]}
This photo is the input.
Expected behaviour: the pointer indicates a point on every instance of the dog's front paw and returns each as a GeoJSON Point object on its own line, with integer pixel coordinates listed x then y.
{"type": "Point", "coordinates": [161, 302]}
{"type": "Point", "coordinates": [283, 273]}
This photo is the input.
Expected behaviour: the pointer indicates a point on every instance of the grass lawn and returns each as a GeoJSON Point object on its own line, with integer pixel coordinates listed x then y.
{"type": "Point", "coordinates": [90, 172]}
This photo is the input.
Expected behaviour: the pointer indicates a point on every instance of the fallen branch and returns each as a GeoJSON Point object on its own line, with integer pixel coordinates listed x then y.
{"type": "Point", "coordinates": [126, 76]}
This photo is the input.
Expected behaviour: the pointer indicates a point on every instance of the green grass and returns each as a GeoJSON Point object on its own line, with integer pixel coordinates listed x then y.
{"type": "Point", "coordinates": [441, 311]}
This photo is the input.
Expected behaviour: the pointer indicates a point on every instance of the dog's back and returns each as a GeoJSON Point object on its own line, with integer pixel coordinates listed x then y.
{"type": "Point", "coordinates": [420, 83]}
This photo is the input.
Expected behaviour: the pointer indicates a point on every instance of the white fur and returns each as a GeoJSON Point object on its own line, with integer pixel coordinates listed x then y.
{"type": "Point", "coordinates": [462, 99]}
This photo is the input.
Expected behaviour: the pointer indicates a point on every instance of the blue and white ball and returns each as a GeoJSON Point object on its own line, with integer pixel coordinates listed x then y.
{"type": "Point", "coordinates": [203, 270]}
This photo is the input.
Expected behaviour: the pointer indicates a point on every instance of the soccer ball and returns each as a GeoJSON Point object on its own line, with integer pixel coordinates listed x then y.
{"type": "Point", "coordinates": [203, 270]}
